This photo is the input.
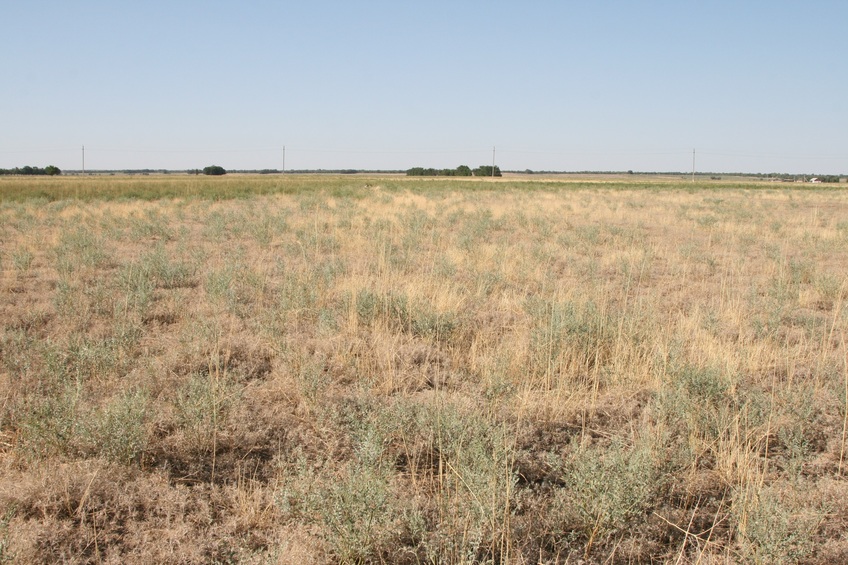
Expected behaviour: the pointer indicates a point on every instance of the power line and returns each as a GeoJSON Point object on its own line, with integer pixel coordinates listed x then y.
{"type": "Point", "coordinates": [394, 151]}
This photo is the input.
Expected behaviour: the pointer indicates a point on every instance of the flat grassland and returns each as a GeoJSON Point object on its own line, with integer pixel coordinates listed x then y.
{"type": "Point", "coordinates": [366, 370]}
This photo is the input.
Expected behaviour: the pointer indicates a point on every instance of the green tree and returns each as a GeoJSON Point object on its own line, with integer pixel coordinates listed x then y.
{"type": "Point", "coordinates": [486, 171]}
{"type": "Point", "coordinates": [214, 170]}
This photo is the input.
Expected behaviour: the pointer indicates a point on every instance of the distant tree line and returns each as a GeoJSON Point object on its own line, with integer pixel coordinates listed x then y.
{"type": "Point", "coordinates": [460, 171]}
{"type": "Point", "coordinates": [823, 178]}
{"type": "Point", "coordinates": [145, 171]}
{"type": "Point", "coordinates": [49, 170]}
{"type": "Point", "coordinates": [786, 177]}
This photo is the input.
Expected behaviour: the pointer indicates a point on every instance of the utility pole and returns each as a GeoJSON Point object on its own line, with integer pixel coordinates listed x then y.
{"type": "Point", "coordinates": [83, 159]}
{"type": "Point", "coordinates": [284, 159]}
{"type": "Point", "coordinates": [493, 161]}
{"type": "Point", "coordinates": [693, 165]}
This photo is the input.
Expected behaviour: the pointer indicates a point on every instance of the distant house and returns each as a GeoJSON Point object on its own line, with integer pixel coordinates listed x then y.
{"type": "Point", "coordinates": [815, 180]}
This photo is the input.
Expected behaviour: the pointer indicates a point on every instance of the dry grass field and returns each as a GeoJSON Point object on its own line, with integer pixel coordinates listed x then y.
{"type": "Point", "coordinates": [352, 370]}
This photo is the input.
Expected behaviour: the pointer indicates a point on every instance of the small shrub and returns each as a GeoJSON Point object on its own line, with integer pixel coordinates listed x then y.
{"type": "Point", "coordinates": [313, 381]}
{"type": "Point", "coordinates": [165, 272]}
{"type": "Point", "coordinates": [699, 400]}
{"type": "Point", "coordinates": [203, 406]}
{"type": "Point", "coordinates": [220, 285]}
{"type": "Point", "coordinates": [297, 294]}
{"type": "Point", "coordinates": [118, 432]}
{"type": "Point", "coordinates": [777, 527]}
{"type": "Point", "coordinates": [357, 509]}
{"type": "Point", "coordinates": [22, 259]}
{"type": "Point", "coordinates": [136, 282]}
{"type": "Point", "coordinates": [467, 460]}
{"type": "Point", "coordinates": [611, 486]}
{"type": "Point", "coordinates": [396, 311]}
{"type": "Point", "coordinates": [367, 306]}
{"type": "Point", "coordinates": [264, 228]}
{"type": "Point", "coordinates": [830, 290]}
{"type": "Point", "coordinates": [6, 554]}
{"type": "Point", "coordinates": [53, 424]}
{"type": "Point", "coordinates": [357, 512]}
{"type": "Point", "coordinates": [436, 326]}
{"type": "Point", "coordinates": [152, 225]}
{"type": "Point", "coordinates": [80, 247]}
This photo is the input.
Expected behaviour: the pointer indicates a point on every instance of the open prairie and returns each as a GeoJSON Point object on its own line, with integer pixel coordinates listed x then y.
{"type": "Point", "coordinates": [382, 370]}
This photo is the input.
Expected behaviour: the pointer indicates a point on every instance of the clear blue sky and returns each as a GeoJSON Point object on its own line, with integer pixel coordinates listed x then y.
{"type": "Point", "coordinates": [752, 86]}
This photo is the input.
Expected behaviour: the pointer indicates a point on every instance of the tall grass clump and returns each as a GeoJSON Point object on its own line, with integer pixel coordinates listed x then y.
{"type": "Point", "coordinates": [203, 406]}
{"type": "Point", "coordinates": [397, 312]}
{"type": "Point", "coordinates": [570, 342]}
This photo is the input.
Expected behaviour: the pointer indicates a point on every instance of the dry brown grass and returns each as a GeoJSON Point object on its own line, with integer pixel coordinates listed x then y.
{"type": "Point", "coordinates": [407, 374]}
